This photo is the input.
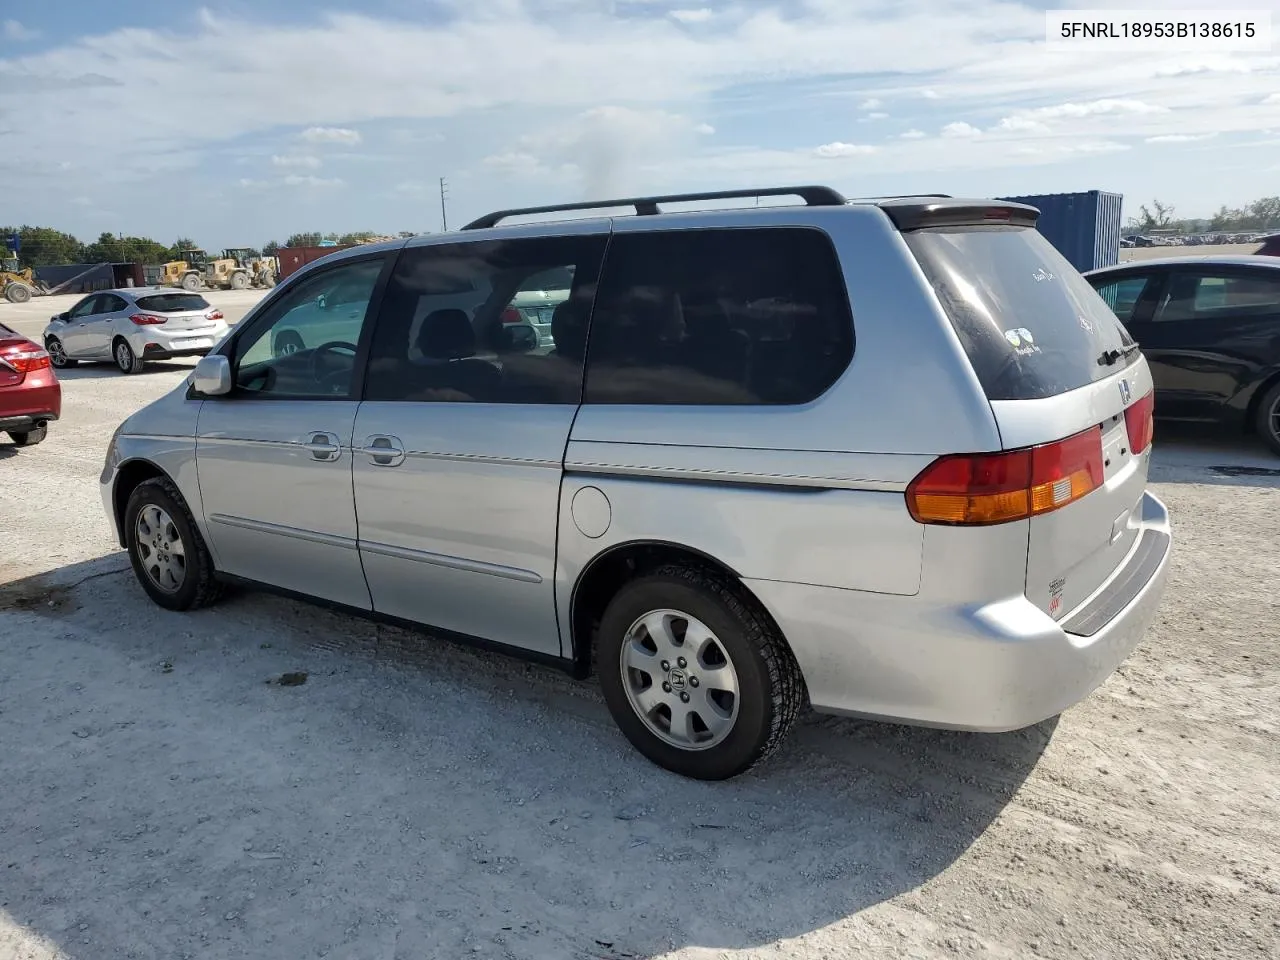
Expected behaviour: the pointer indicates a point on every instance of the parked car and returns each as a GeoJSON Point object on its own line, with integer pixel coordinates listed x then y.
{"type": "Point", "coordinates": [693, 489]}
{"type": "Point", "coordinates": [30, 395]}
{"type": "Point", "coordinates": [1210, 329]}
{"type": "Point", "coordinates": [133, 325]}
{"type": "Point", "coordinates": [1270, 246]}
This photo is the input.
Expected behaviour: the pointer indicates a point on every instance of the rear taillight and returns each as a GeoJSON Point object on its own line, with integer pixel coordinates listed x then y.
{"type": "Point", "coordinates": [147, 319]}
{"type": "Point", "coordinates": [25, 360]}
{"type": "Point", "coordinates": [214, 315]}
{"type": "Point", "coordinates": [1140, 421]}
{"type": "Point", "coordinates": [511, 315]}
{"type": "Point", "coordinates": [986, 488]}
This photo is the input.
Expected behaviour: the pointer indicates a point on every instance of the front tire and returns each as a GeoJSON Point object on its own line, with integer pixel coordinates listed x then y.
{"type": "Point", "coordinates": [239, 281]}
{"type": "Point", "coordinates": [695, 675]}
{"type": "Point", "coordinates": [126, 359]}
{"type": "Point", "coordinates": [1268, 419]}
{"type": "Point", "coordinates": [17, 292]}
{"type": "Point", "coordinates": [28, 438]}
{"type": "Point", "coordinates": [169, 557]}
{"type": "Point", "coordinates": [58, 354]}
{"type": "Point", "coordinates": [191, 282]}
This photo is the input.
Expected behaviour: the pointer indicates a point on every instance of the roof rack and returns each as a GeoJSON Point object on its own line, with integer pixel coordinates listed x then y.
{"type": "Point", "coordinates": [648, 206]}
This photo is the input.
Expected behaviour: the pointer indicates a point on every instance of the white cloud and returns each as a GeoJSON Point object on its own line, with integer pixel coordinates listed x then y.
{"type": "Point", "coordinates": [1272, 98]}
{"type": "Point", "coordinates": [879, 115]}
{"type": "Point", "coordinates": [1061, 150]}
{"type": "Point", "coordinates": [871, 103]}
{"type": "Point", "coordinates": [305, 161]}
{"type": "Point", "coordinates": [838, 150]}
{"type": "Point", "coordinates": [1180, 137]}
{"type": "Point", "coordinates": [1096, 108]}
{"type": "Point", "coordinates": [700, 15]}
{"type": "Point", "coordinates": [914, 135]}
{"type": "Point", "coordinates": [331, 135]}
{"type": "Point", "coordinates": [960, 130]}
{"type": "Point", "coordinates": [929, 94]}
{"type": "Point", "coordinates": [705, 129]}
{"type": "Point", "coordinates": [13, 30]}
{"type": "Point", "coordinates": [1021, 125]}
{"type": "Point", "coordinates": [299, 180]}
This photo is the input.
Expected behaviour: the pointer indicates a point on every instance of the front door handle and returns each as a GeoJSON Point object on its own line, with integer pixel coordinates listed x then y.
{"type": "Point", "coordinates": [325, 447]}
{"type": "Point", "coordinates": [383, 451]}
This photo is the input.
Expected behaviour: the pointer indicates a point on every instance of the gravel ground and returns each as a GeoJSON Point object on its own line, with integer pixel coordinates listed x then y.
{"type": "Point", "coordinates": [413, 799]}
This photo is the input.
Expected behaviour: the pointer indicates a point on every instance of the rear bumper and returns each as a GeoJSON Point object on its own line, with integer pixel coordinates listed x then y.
{"type": "Point", "coordinates": [153, 352]}
{"type": "Point", "coordinates": [32, 402]}
{"type": "Point", "coordinates": [990, 667]}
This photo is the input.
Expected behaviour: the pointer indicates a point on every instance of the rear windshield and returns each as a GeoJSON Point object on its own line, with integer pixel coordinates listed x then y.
{"type": "Point", "coordinates": [173, 302]}
{"type": "Point", "coordinates": [1031, 325]}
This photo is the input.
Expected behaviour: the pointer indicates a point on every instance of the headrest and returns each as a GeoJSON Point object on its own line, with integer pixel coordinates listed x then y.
{"type": "Point", "coordinates": [569, 329]}
{"type": "Point", "coordinates": [447, 335]}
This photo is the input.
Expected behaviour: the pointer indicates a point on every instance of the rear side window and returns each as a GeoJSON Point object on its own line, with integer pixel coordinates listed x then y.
{"type": "Point", "coordinates": [1031, 325]}
{"type": "Point", "coordinates": [1221, 296]}
{"type": "Point", "coordinates": [1122, 295]}
{"type": "Point", "coordinates": [719, 317]}
{"type": "Point", "coordinates": [173, 302]}
{"type": "Point", "coordinates": [457, 325]}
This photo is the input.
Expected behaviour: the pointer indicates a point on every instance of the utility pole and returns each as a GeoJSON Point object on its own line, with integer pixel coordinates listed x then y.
{"type": "Point", "coordinates": [444, 213]}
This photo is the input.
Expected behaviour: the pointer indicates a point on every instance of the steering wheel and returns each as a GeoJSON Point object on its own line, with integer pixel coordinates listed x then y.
{"type": "Point", "coordinates": [318, 371]}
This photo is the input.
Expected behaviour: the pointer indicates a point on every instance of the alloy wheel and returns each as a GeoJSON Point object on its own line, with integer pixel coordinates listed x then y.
{"type": "Point", "coordinates": [160, 548]}
{"type": "Point", "coordinates": [679, 679]}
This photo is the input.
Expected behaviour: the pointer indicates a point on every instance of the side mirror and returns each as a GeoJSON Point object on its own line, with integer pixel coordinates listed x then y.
{"type": "Point", "coordinates": [58, 317]}
{"type": "Point", "coordinates": [212, 375]}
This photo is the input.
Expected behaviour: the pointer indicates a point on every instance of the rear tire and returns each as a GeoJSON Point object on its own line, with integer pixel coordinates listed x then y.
{"type": "Point", "coordinates": [169, 557]}
{"type": "Point", "coordinates": [28, 438]}
{"type": "Point", "coordinates": [17, 293]}
{"type": "Point", "coordinates": [239, 281]}
{"type": "Point", "coordinates": [191, 282]}
{"type": "Point", "coordinates": [126, 360]}
{"type": "Point", "coordinates": [58, 354]}
{"type": "Point", "coordinates": [726, 643]}
{"type": "Point", "coordinates": [1268, 419]}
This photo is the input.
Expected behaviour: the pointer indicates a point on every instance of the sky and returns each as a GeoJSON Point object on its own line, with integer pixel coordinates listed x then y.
{"type": "Point", "coordinates": [237, 123]}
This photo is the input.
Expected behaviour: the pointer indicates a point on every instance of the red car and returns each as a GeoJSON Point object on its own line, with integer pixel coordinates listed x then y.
{"type": "Point", "coordinates": [30, 395]}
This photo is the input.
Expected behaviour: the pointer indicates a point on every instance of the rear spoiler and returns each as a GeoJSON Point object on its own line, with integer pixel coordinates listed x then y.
{"type": "Point", "coordinates": [918, 213]}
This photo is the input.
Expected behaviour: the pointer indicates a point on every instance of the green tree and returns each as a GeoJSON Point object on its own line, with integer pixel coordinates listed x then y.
{"type": "Point", "coordinates": [360, 236]}
{"type": "Point", "coordinates": [303, 240]}
{"type": "Point", "coordinates": [44, 246]}
{"type": "Point", "coordinates": [270, 248]}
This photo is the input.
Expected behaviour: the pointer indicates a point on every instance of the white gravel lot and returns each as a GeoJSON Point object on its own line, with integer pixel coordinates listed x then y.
{"type": "Point", "coordinates": [158, 799]}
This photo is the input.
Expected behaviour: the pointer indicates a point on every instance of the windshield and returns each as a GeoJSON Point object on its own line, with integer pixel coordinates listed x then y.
{"type": "Point", "coordinates": [1031, 325]}
{"type": "Point", "coordinates": [173, 302]}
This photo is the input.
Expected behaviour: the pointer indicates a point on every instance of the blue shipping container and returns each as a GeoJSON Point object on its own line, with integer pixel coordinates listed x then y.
{"type": "Point", "coordinates": [1084, 227]}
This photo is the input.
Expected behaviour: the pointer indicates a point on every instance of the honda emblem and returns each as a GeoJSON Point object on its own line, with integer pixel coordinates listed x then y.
{"type": "Point", "coordinates": [1125, 392]}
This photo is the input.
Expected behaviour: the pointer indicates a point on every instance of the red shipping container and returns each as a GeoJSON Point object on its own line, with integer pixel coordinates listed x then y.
{"type": "Point", "coordinates": [293, 259]}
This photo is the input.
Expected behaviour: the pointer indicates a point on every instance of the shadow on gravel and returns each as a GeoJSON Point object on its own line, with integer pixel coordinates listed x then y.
{"type": "Point", "coordinates": [1202, 454]}
{"type": "Point", "coordinates": [413, 798]}
{"type": "Point", "coordinates": [97, 371]}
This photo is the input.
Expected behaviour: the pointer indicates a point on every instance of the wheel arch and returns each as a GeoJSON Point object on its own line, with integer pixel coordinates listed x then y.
{"type": "Point", "coordinates": [607, 572]}
{"type": "Point", "coordinates": [129, 475]}
{"type": "Point", "coordinates": [1261, 387]}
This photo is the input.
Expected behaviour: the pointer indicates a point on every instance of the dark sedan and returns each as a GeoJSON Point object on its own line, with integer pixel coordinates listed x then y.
{"type": "Point", "coordinates": [1210, 330]}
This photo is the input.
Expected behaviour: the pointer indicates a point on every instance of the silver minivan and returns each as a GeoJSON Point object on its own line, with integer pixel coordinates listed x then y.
{"type": "Point", "coordinates": [884, 458]}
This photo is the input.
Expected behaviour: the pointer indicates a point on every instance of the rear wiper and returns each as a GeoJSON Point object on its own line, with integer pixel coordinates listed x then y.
{"type": "Point", "coordinates": [1110, 357]}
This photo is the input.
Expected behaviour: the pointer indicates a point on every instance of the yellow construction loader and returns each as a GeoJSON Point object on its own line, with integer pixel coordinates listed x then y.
{"type": "Point", "coordinates": [240, 268]}
{"type": "Point", "coordinates": [19, 286]}
{"type": "Point", "coordinates": [186, 271]}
